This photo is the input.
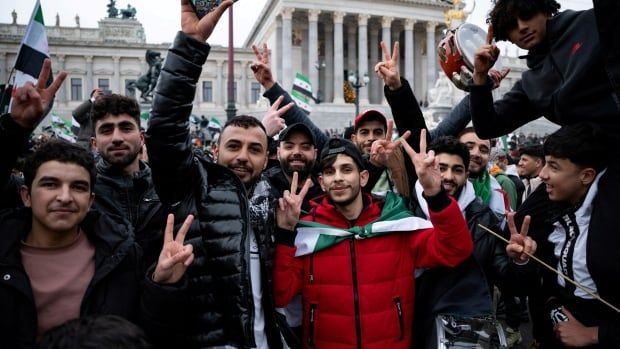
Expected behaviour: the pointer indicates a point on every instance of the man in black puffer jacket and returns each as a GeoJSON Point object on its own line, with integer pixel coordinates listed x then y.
{"type": "Point", "coordinates": [229, 292]}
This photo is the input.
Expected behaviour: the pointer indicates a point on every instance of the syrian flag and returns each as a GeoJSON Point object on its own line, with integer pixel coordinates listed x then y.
{"type": "Point", "coordinates": [214, 123]}
{"type": "Point", "coordinates": [33, 51]}
{"type": "Point", "coordinates": [302, 92]}
{"type": "Point", "coordinates": [395, 217]}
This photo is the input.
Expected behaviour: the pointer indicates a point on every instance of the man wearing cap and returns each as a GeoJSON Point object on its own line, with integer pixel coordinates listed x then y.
{"type": "Point", "coordinates": [498, 161]}
{"type": "Point", "coordinates": [356, 255]}
{"type": "Point", "coordinates": [531, 162]}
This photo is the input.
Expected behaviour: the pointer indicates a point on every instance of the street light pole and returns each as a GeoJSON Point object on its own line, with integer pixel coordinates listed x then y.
{"type": "Point", "coordinates": [357, 83]}
{"type": "Point", "coordinates": [319, 65]}
{"type": "Point", "coordinates": [231, 110]}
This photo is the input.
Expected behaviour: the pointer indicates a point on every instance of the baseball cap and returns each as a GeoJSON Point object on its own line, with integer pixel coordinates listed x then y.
{"type": "Point", "coordinates": [298, 127]}
{"type": "Point", "coordinates": [342, 146]}
{"type": "Point", "coordinates": [369, 115]}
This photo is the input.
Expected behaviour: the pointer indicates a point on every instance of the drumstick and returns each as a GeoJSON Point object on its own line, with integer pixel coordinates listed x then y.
{"type": "Point", "coordinates": [555, 271]}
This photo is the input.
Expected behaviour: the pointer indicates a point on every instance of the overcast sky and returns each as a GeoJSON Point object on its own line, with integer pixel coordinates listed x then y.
{"type": "Point", "coordinates": [161, 18]}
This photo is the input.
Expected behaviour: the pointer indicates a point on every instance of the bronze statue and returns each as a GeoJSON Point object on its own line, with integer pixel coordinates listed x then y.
{"type": "Point", "coordinates": [129, 12]}
{"type": "Point", "coordinates": [112, 10]}
{"type": "Point", "coordinates": [146, 83]}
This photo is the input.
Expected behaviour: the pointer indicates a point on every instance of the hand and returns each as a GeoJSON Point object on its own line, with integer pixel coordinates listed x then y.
{"type": "Point", "coordinates": [388, 70]}
{"type": "Point", "coordinates": [520, 244]}
{"type": "Point", "coordinates": [425, 166]}
{"type": "Point", "coordinates": [96, 94]}
{"type": "Point", "coordinates": [31, 102]}
{"type": "Point", "coordinates": [201, 29]}
{"type": "Point", "coordinates": [174, 257]}
{"type": "Point", "coordinates": [289, 205]}
{"type": "Point", "coordinates": [273, 121]}
{"type": "Point", "coordinates": [573, 333]}
{"type": "Point", "coordinates": [497, 76]}
{"type": "Point", "coordinates": [485, 58]}
{"type": "Point", "coordinates": [262, 68]}
{"type": "Point", "coordinates": [382, 150]}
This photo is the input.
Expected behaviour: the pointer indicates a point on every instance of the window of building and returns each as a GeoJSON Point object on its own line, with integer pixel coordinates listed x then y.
{"type": "Point", "coordinates": [104, 84]}
{"type": "Point", "coordinates": [207, 91]}
{"type": "Point", "coordinates": [129, 92]}
{"type": "Point", "coordinates": [76, 89]}
{"type": "Point", "coordinates": [255, 92]}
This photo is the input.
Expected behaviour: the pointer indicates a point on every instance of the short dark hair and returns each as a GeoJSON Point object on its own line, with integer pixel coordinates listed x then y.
{"type": "Point", "coordinates": [467, 130]}
{"type": "Point", "coordinates": [61, 151]}
{"type": "Point", "coordinates": [583, 144]}
{"type": "Point", "coordinates": [244, 121]}
{"type": "Point", "coordinates": [115, 104]}
{"type": "Point", "coordinates": [505, 13]}
{"type": "Point", "coordinates": [533, 150]}
{"type": "Point", "coordinates": [452, 146]}
{"type": "Point", "coordinates": [95, 332]}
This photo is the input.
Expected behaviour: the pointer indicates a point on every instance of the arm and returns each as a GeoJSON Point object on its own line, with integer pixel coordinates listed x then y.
{"type": "Point", "coordinates": [406, 111]}
{"type": "Point", "coordinates": [455, 122]}
{"type": "Point", "coordinates": [13, 141]}
{"type": "Point", "coordinates": [287, 269]}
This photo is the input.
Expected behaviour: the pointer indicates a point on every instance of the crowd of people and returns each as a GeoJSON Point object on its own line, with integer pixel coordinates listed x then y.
{"type": "Point", "coordinates": [281, 235]}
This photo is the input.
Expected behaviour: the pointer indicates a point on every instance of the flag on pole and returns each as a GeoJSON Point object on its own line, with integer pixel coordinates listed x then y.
{"type": "Point", "coordinates": [302, 92]}
{"type": "Point", "coordinates": [214, 123]}
{"type": "Point", "coordinates": [33, 51]}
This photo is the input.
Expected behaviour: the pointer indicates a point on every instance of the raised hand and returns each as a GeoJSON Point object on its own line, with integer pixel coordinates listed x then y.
{"type": "Point", "coordinates": [498, 75]}
{"type": "Point", "coordinates": [201, 29]}
{"type": "Point", "coordinates": [289, 205]}
{"type": "Point", "coordinates": [382, 150]}
{"type": "Point", "coordinates": [520, 243]}
{"type": "Point", "coordinates": [425, 166]}
{"type": "Point", "coordinates": [32, 101]}
{"type": "Point", "coordinates": [573, 334]}
{"type": "Point", "coordinates": [273, 121]}
{"type": "Point", "coordinates": [262, 68]}
{"type": "Point", "coordinates": [174, 257]}
{"type": "Point", "coordinates": [388, 69]}
{"type": "Point", "coordinates": [485, 58]}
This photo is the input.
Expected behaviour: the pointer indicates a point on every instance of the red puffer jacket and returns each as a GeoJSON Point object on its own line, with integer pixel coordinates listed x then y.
{"type": "Point", "coordinates": [362, 291]}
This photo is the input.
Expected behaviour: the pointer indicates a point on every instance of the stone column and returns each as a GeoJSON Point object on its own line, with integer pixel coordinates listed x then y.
{"type": "Point", "coordinates": [220, 91]}
{"type": "Point", "coordinates": [386, 37]}
{"type": "Point", "coordinates": [430, 55]}
{"type": "Point", "coordinates": [328, 78]}
{"type": "Point", "coordinates": [88, 84]}
{"type": "Point", "coordinates": [409, 45]}
{"type": "Point", "coordinates": [2, 67]}
{"type": "Point", "coordinates": [287, 49]}
{"type": "Point", "coordinates": [338, 59]}
{"type": "Point", "coordinates": [116, 84]}
{"type": "Point", "coordinates": [62, 91]}
{"type": "Point", "coordinates": [313, 49]}
{"type": "Point", "coordinates": [376, 84]}
{"type": "Point", "coordinates": [276, 55]}
{"type": "Point", "coordinates": [363, 55]}
{"type": "Point", "coordinates": [351, 49]}
{"type": "Point", "coordinates": [243, 84]}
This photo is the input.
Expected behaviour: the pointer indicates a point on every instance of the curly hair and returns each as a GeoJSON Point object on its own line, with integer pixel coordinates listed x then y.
{"type": "Point", "coordinates": [505, 13]}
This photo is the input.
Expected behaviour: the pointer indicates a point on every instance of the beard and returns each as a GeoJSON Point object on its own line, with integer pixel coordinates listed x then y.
{"type": "Point", "coordinates": [303, 172]}
{"type": "Point", "coordinates": [344, 202]}
{"type": "Point", "coordinates": [120, 162]}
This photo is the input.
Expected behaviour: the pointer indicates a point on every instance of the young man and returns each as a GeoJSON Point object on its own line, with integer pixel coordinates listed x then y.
{"type": "Point", "coordinates": [229, 295]}
{"type": "Point", "coordinates": [502, 169]}
{"type": "Point", "coordinates": [357, 280]}
{"type": "Point", "coordinates": [530, 164]}
{"type": "Point", "coordinates": [124, 188]}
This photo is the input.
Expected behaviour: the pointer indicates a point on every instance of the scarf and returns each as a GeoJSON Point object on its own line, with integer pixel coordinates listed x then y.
{"type": "Point", "coordinates": [482, 186]}
{"type": "Point", "coordinates": [395, 217]}
{"type": "Point", "coordinates": [466, 197]}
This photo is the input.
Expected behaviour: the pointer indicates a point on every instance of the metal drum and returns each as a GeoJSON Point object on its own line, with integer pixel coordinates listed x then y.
{"type": "Point", "coordinates": [456, 332]}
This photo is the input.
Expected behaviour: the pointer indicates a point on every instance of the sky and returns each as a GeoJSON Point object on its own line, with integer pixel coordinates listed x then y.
{"type": "Point", "coordinates": [161, 18]}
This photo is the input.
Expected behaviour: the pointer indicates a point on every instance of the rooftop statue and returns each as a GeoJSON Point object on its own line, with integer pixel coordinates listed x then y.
{"type": "Point", "coordinates": [129, 12]}
{"type": "Point", "coordinates": [112, 10]}
{"type": "Point", "coordinates": [146, 83]}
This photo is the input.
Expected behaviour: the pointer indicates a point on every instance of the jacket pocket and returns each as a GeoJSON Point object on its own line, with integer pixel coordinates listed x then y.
{"type": "Point", "coordinates": [401, 320]}
{"type": "Point", "coordinates": [311, 322]}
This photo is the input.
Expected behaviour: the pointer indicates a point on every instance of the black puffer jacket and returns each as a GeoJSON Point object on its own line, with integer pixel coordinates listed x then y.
{"type": "Point", "coordinates": [132, 199]}
{"type": "Point", "coordinates": [219, 308]}
{"type": "Point", "coordinates": [114, 289]}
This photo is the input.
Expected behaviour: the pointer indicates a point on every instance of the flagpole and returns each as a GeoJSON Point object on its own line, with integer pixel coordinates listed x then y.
{"type": "Point", "coordinates": [6, 88]}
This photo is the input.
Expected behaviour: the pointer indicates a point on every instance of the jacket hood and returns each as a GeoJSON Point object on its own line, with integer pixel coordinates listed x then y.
{"type": "Point", "coordinates": [556, 26]}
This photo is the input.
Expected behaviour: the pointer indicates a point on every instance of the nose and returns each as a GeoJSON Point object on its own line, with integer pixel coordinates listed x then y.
{"type": "Point", "coordinates": [521, 25]}
{"type": "Point", "coordinates": [242, 156]}
{"type": "Point", "coordinates": [64, 194]}
{"type": "Point", "coordinates": [544, 174]}
{"type": "Point", "coordinates": [117, 135]}
{"type": "Point", "coordinates": [447, 175]}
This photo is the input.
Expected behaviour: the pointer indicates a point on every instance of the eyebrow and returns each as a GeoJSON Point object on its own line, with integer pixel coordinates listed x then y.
{"type": "Point", "coordinates": [455, 166]}
{"type": "Point", "coordinates": [55, 179]}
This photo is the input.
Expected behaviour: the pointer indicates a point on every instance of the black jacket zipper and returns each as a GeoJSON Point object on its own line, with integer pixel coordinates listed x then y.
{"type": "Point", "coordinates": [401, 321]}
{"type": "Point", "coordinates": [311, 325]}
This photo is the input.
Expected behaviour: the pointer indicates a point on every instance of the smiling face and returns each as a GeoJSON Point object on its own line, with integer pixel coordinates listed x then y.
{"type": "Point", "coordinates": [244, 151]}
{"type": "Point", "coordinates": [529, 166]}
{"type": "Point", "coordinates": [297, 154]}
{"type": "Point", "coordinates": [453, 172]}
{"type": "Point", "coordinates": [479, 151]}
{"type": "Point", "coordinates": [60, 196]}
{"type": "Point", "coordinates": [368, 132]}
{"type": "Point", "coordinates": [119, 140]}
{"type": "Point", "coordinates": [565, 181]}
{"type": "Point", "coordinates": [529, 32]}
{"type": "Point", "coordinates": [343, 181]}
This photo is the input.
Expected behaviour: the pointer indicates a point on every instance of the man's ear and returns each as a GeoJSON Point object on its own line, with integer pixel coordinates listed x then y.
{"type": "Point", "coordinates": [364, 175]}
{"type": "Point", "coordinates": [587, 176]}
{"type": "Point", "coordinates": [321, 183]}
{"type": "Point", "coordinates": [216, 152]}
{"type": "Point", "coordinates": [353, 137]}
{"type": "Point", "coordinates": [24, 192]}
{"type": "Point", "coordinates": [93, 142]}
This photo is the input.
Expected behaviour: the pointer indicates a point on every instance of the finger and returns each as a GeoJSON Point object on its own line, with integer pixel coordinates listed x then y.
{"type": "Point", "coordinates": [44, 74]}
{"type": "Point", "coordinates": [285, 109]}
{"type": "Point", "coordinates": [184, 229]}
{"type": "Point", "coordinates": [256, 52]}
{"type": "Point", "coordinates": [408, 148]}
{"type": "Point", "coordinates": [305, 188]}
{"type": "Point", "coordinates": [525, 226]}
{"type": "Point", "coordinates": [568, 314]}
{"type": "Point", "coordinates": [219, 11]}
{"type": "Point", "coordinates": [423, 141]}
{"type": "Point", "coordinates": [55, 86]}
{"type": "Point", "coordinates": [489, 39]}
{"type": "Point", "coordinates": [281, 204]}
{"type": "Point", "coordinates": [277, 103]}
{"type": "Point", "coordinates": [528, 245]}
{"type": "Point", "coordinates": [386, 52]}
{"type": "Point", "coordinates": [396, 53]}
{"type": "Point", "coordinates": [390, 128]}
{"type": "Point", "coordinates": [504, 72]}
{"type": "Point", "coordinates": [294, 183]}
{"type": "Point", "coordinates": [384, 71]}
{"type": "Point", "coordinates": [189, 260]}
{"type": "Point", "coordinates": [510, 216]}
{"type": "Point", "coordinates": [377, 66]}
{"type": "Point", "coordinates": [179, 257]}
{"type": "Point", "coordinates": [169, 227]}
{"type": "Point", "coordinates": [265, 53]}
{"type": "Point", "coordinates": [406, 135]}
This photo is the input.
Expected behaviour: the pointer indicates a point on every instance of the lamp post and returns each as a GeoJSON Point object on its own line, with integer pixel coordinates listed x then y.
{"type": "Point", "coordinates": [357, 83]}
{"type": "Point", "coordinates": [231, 109]}
{"type": "Point", "coordinates": [319, 65]}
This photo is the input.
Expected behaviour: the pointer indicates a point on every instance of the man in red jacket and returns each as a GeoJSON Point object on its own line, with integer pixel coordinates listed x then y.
{"type": "Point", "coordinates": [352, 258]}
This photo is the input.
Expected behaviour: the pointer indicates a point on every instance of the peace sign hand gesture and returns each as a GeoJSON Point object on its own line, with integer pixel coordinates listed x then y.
{"type": "Point", "coordinates": [485, 58]}
{"type": "Point", "coordinates": [273, 120]}
{"type": "Point", "coordinates": [174, 257]}
{"type": "Point", "coordinates": [262, 67]}
{"type": "Point", "coordinates": [289, 205]}
{"type": "Point", "coordinates": [425, 166]}
{"type": "Point", "coordinates": [382, 150]}
{"type": "Point", "coordinates": [388, 69]}
{"type": "Point", "coordinates": [201, 29]}
{"type": "Point", "coordinates": [520, 243]}
{"type": "Point", "coordinates": [31, 102]}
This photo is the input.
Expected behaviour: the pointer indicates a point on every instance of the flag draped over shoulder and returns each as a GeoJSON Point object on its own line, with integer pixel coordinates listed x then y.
{"type": "Point", "coordinates": [302, 92]}
{"type": "Point", "coordinates": [33, 50]}
{"type": "Point", "coordinates": [395, 217]}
